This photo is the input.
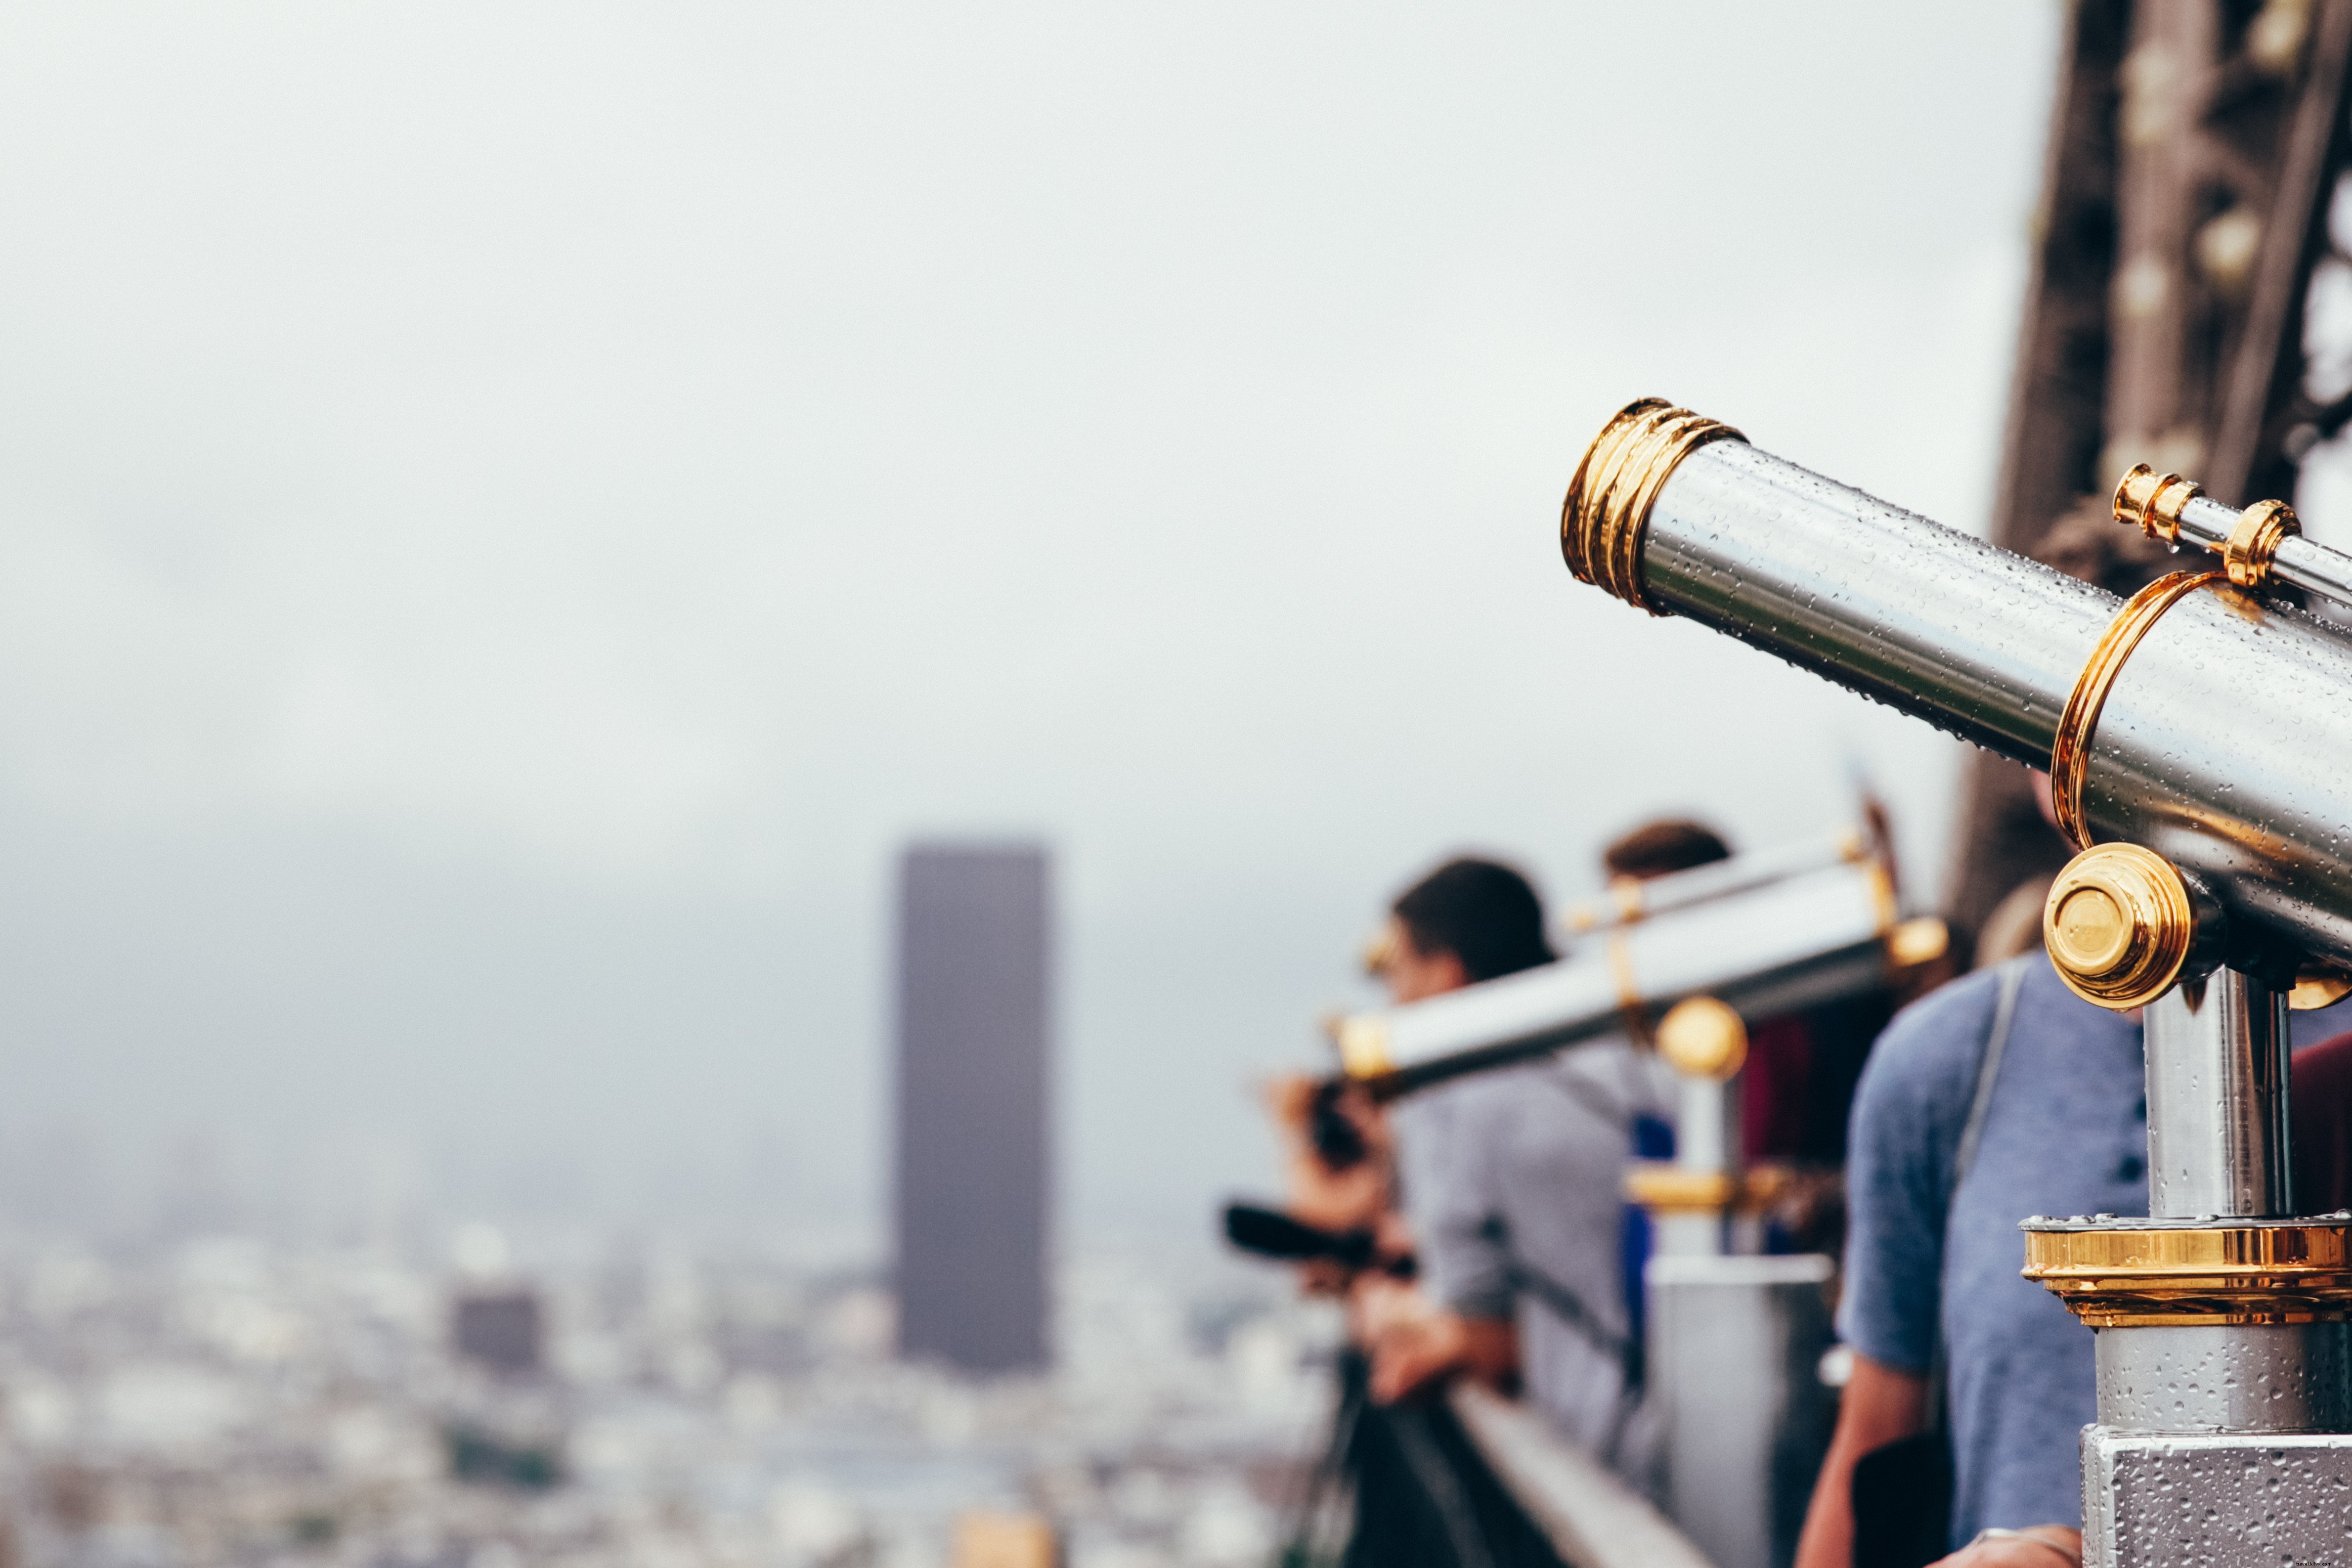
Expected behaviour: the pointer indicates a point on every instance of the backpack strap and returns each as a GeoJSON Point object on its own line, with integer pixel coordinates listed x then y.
{"type": "Point", "coordinates": [1964, 1158]}
{"type": "Point", "coordinates": [2004, 1013]}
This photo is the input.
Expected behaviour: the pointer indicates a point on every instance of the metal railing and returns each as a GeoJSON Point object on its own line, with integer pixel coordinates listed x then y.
{"type": "Point", "coordinates": [1591, 1519]}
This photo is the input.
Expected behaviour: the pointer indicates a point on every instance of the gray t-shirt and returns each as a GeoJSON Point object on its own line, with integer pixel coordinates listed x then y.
{"type": "Point", "coordinates": [1524, 1166]}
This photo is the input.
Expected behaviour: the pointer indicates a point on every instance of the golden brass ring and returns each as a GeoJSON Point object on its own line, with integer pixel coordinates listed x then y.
{"type": "Point", "coordinates": [1607, 513]}
{"type": "Point", "coordinates": [2069, 749]}
{"type": "Point", "coordinates": [2317, 988]}
{"type": "Point", "coordinates": [2253, 543]}
{"type": "Point", "coordinates": [1883, 903]}
{"type": "Point", "coordinates": [1923, 939]}
{"type": "Point", "coordinates": [1625, 907]}
{"type": "Point", "coordinates": [2153, 502]}
{"type": "Point", "coordinates": [1362, 1040]}
{"type": "Point", "coordinates": [1629, 990]}
{"type": "Point", "coordinates": [1662, 1187]}
{"type": "Point", "coordinates": [2150, 1276]}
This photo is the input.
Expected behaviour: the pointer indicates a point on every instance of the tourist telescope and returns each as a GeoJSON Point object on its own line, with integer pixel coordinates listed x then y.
{"type": "Point", "coordinates": [1687, 961]}
{"type": "Point", "coordinates": [1764, 934]}
{"type": "Point", "coordinates": [2198, 742]}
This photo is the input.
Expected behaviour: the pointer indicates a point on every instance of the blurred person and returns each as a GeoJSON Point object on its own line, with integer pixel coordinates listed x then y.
{"type": "Point", "coordinates": [1339, 1170]}
{"type": "Point", "coordinates": [2319, 1113]}
{"type": "Point", "coordinates": [2014, 926]}
{"type": "Point", "coordinates": [1660, 848]}
{"type": "Point", "coordinates": [1512, 1178]}
{"type": "Point", "coordinates": [2001, 1096]}
{"type": "Point", "coordinates": [1477, 919]}
{"type": "Point", "coordinates": [1932, 1291]}
{"type": "Point", "coordinates": [1418, 1498]}
{"type": "Point", "coordinates": [1970, 1383]}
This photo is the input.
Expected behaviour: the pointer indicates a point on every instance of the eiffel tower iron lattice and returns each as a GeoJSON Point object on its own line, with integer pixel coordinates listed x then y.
{"type": "Point", "coordinates": [2197, 150]}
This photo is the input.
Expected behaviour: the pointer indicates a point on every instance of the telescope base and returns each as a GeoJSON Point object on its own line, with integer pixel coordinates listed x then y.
{"type": "Point", "coordinates": [1736, 1347]}
{"type": "Point", "coordinates": [2228, 1499]}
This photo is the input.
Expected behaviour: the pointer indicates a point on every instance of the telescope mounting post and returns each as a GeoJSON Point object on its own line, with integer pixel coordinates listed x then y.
{"type": "Point", "coordinates": [2217, 1101]}
{"type": "Point", "coordinates": [2224, 1368]}
{"type": "Point", "coordinates": [2219, 1319]}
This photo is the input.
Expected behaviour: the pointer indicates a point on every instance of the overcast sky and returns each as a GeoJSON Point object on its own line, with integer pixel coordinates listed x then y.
{"type": "Point", "coordinates": [513, 513]}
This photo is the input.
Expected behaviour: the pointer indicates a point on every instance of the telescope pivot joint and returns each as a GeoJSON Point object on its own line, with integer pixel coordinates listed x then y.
{"type": "Point", "coordinates": [2123, 925]}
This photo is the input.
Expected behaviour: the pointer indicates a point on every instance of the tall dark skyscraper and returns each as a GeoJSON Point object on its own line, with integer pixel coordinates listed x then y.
{"type": "Point", "coordinates": [974, 1009]}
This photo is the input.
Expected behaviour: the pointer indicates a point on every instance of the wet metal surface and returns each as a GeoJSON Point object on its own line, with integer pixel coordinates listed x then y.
{"type": "Point", "coordinates": [2229, 1501]}
{"type": "Point", "coordinates": [1792, 943]}
{"type": "Point", "coordinates": [2225, 744]}
{"type": "Point", "coordinates": [2226, 1377]}
{"type": "Point", "coordinates": [2217, 1107]}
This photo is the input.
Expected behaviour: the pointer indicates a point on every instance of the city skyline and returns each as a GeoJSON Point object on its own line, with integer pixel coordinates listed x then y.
{"type": "Point", "coordinates": [487, 591]}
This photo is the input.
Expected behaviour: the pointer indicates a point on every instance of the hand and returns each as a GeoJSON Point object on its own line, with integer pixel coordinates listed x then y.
{"type": "Point", "coordinates": [1315, 1193]}
{"type": "Point", "coordinates": [1325, 1277]}
{"type": "Point", "coordinates": [2043, 1546]}
{"type": "Point", "coordinates": [1414, 1346]}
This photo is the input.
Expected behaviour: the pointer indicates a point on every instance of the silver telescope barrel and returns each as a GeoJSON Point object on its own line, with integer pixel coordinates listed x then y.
{"type": "Point", "coordinates": [2202, 721]}
{"type": "Point", "coordinates": [1629, 900]}
{"type": "Point", "coordinates": [1792, 943]}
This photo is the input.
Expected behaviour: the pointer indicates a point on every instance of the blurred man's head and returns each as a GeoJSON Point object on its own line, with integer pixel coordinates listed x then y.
{"type": "Point", "coordinates": [1468, 921]}
{"type": "Point", "coordinates": [1660, 849]}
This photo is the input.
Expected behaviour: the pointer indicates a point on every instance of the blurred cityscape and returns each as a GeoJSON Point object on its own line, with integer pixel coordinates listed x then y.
{"type": "Point", "coordinates": [481, 1403]}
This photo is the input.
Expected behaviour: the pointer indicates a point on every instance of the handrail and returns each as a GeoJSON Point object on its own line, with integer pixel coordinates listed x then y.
{"type": "Point", "coordinates": [1592, 1518]}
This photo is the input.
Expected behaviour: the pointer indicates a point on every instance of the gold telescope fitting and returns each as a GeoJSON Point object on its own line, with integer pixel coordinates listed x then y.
{"type": "Point", "coordinates": [1630, 1006]}
{"type": "Point", "coordinates": [2253, 543]}
{"type": "Point", "coordinates": [2144, 1276]}
{"type": "Point", "coordinates": [2118, 924]}
{"type": "Point", "coordinates": [1626, 902]}
{"type": "Point", "coordinates": [2317, 988]}
{"type": "Point", "coordinates": [2152, 502]}
{"type": "Point", "coordinates": [1607, 512]}
{"type": "Point", "coordinates": [1362, 1039]}
{"type": "Point", "coordinates": [1923, 939]}
{"type": "Point", "coordinates": [1663, 1187]}
{"type": "Point", "coordinates": [1702, 1038]}
{"type": "Point", "coordinates": [2069, 749]}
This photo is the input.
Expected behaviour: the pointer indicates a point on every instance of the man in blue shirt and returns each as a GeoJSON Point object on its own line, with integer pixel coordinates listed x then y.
{"type": "Point", "coordinates": [2065, 1132]}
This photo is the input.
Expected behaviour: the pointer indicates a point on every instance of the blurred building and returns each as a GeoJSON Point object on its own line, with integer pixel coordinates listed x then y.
{"type": "Point", "coordinates": [498, 1328]}
{"type": "Point", "coordinates": [970, 1202]}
